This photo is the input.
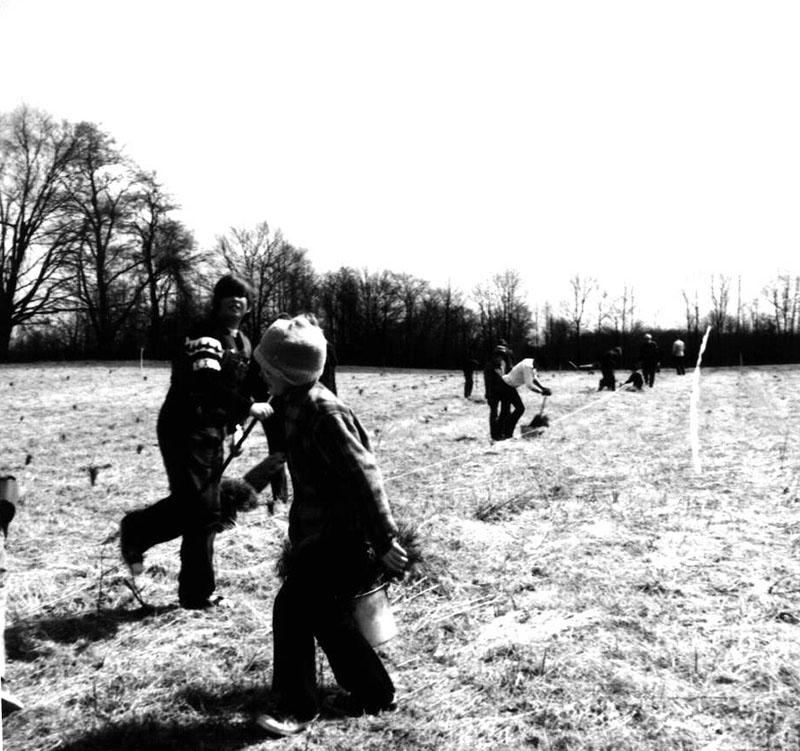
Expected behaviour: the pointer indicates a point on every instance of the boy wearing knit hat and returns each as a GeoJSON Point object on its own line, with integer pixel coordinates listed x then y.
{"type": "Point", "coordinates": [341, 533]}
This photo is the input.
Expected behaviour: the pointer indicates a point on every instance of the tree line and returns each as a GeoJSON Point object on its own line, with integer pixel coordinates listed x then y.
{"type": "Point", "coordinates": [94, 264]}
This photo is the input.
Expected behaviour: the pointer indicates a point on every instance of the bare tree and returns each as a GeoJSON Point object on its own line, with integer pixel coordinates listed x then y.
{"type": "Point", "coordinates": [720, 300]}
{"type": "Point", "coordinates": [339, 300]}
{"type": "Point", "coordinates": [168, 254]}
{"type": "Point", "coordinates": [739, 306]}
{"type": "Point", "coordinates": [626, 304]}
{"type": "Point", "coordinates": [35, 154]}
{"type": "Point", "coordinates": [692, 304]}
{"type": "Point", "coordinates": [253, 254]}
{"type": "Point", "coordinates": [446, 327]}
{"type": "Point", "coordinates": [783, 294]}
{"type": "Point", "coordinates": [103, 190]}
{"type": "Point", "coordinates": [382, 307]}
{"type": "Point", "coordinates": [502, 310]}
{"type": "Point", "coordinates": [605, 311]}
{"type": "Point", "coordinates": [281, 275]}
{"type": "Point", "coordinates": [413, 292]}
{"type": "Point", "coordinates": [575, 308]}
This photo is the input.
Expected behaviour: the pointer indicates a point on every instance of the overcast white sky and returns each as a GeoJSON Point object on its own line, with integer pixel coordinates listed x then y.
{"type": "Point", "coordinates": [647, 143]}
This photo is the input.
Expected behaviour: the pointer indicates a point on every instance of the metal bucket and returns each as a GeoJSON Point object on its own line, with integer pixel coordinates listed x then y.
{"type": "Point", "coordinates": [9, 495]}
{"type": "Point", "coordinates": [374, 616]}
{"type": "Point", "coordinates": [8, 489]}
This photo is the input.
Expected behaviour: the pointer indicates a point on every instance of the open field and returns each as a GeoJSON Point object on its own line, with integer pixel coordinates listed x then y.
{"type": "Point", "coordinates": [583, 589]}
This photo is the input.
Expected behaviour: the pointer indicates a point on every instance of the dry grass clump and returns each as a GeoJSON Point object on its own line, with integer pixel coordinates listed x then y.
{"type": "Point", "coordinates": [583, 590]}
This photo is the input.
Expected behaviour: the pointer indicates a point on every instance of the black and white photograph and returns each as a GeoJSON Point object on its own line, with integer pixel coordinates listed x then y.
{"type": "Point", "coordinates": [412, 376]}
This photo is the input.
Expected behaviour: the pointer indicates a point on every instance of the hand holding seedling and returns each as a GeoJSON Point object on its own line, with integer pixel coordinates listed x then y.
{"type": "Point", "coordinates": [395, 558]}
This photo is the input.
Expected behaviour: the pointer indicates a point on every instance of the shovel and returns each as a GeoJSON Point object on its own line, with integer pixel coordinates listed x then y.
{"type": "Point", "coordinates": [541, 420]}
{"type": "Point", "coordinates": [235, 450]}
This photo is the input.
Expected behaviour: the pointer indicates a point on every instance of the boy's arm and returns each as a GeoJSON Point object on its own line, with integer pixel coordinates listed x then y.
{"type": "Point", "coordinates": [345, 446]}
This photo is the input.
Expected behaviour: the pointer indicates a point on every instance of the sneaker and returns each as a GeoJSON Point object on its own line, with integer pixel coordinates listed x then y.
{"type": "Point", "coordinates": [283, 725]}
{"type": "Point", "coordinates": [217, 601]}
{"type": "Point", "coordinates": [346, 705]}
{"type": "Point", "coordinates": [132, 557]}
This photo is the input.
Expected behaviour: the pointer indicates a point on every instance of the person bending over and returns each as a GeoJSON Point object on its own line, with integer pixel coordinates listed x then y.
{"type": "Point", "coordinates": [522, 374]}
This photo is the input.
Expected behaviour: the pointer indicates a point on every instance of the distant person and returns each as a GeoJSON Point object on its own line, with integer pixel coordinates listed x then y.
{"type": "Point", "coordinates": [522, 374]}
{"type": "Point", "coordinates": [508, 354]}
{"type": "Point", "coordinates": [207, 398]}
{"type": "Point", "coordinates": [328, 377]}
{"type": "Point", "coordinates": [341, 535]}
{"type": "Point", "coordinates": [679, 356]}
{"type": "Point", "coordinates": [497, 392]}
{"type": "Point", "coordinates": [609, 360]}
{"type": "Point", "coordinates": [649, 356]}
{"type": "Point", "coordinates": [635, 379]}
{"type": "Point", "coordinates": [469, 367]}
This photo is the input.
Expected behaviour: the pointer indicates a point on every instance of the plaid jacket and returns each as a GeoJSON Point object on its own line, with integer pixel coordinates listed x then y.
{"type": "Point", "coordinates": [338, 489]}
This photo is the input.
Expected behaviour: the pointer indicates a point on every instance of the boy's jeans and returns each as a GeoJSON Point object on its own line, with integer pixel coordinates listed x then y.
{"type": "Point", "coordinates": [315, 602]}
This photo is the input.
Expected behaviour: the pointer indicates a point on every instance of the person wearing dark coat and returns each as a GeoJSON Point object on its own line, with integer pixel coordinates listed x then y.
{"type": "Point", "coordinates": [649, 355]}
{"type": "Point", "coordinates": [608, 362]}
{"type": "Point", "coordinates": [206, 401]}
{"type": "Point", "coordinates": [508, 354]}
{"type": "Point", "coordinates": [635, 379]}
{"type": "Point", "coordinates": [469, 367]}
{"type": "Point", "coordinates": [328, 377]}
{"type": "Point", "coordinates": [498, 394]}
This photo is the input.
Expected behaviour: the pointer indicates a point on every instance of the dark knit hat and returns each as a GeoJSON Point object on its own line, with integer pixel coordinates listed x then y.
{"type": "Point", "coordinates": [295, 348]}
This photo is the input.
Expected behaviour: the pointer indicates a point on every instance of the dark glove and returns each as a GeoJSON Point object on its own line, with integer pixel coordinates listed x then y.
{"type": "Point", "coordinates": [546, 391]}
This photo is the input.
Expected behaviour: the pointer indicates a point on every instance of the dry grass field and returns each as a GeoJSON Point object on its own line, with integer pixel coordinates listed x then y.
{"type": "Point", "coordinates": [581, 589]}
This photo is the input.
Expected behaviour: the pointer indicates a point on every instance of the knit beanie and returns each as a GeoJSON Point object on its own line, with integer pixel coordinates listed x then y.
{"type": "Point", "coordinates": [295, 348]}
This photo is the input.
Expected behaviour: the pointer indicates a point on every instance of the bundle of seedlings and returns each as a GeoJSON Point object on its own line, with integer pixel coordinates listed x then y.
{"type": "Point", "coordinates": [407, 537]}
{"type": "Point", "coordinates": [235, 496]}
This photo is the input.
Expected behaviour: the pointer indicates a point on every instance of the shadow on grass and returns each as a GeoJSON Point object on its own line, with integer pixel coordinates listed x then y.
{"type": "Point", "coordinates": [25, 638]}
{"type": "Point", "coordinates": [226, 723]}
{"type": "Point", "coordinates": [158, 736]}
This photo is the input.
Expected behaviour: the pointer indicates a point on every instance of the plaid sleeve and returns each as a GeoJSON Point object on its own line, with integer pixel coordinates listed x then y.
{"type": "Point", "coordinates": [345, 446]}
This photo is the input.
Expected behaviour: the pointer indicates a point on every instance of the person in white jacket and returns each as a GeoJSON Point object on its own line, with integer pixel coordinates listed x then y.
{"type": "Point", "coordinates": [522, 374]}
